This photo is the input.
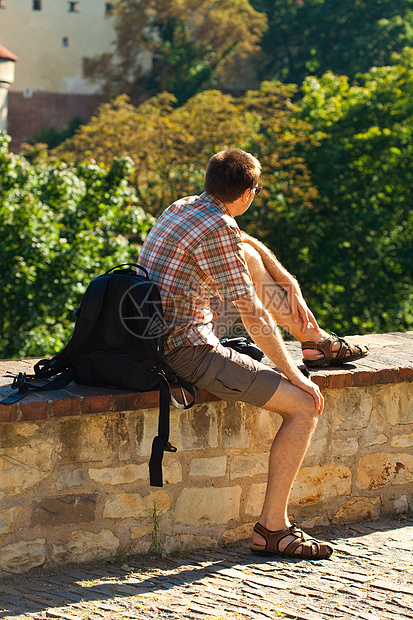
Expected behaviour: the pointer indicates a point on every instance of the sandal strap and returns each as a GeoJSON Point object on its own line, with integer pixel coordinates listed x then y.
{"type": "Point", "coordinates": [326, 347]}
{"type": "Point", "coordinates": [274, 537]}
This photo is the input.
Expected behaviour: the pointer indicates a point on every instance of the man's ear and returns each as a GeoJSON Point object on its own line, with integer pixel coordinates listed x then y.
{"type": "Point", "coordinates": [245, 196]}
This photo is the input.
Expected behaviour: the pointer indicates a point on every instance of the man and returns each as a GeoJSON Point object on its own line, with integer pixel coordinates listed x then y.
{"type": "Point", "coordinates": [195, 252]}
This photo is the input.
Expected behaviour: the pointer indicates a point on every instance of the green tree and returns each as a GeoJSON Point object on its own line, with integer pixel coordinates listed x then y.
{"type": "Point", "coordinates": [178, 47]}
{"type": "Point", "coordinates": [169, 145]}
{"type": "Point", "coordinates": [60, 226]}
{"type": "Point", "coordinates": [310, 37]}
{"type": "Point", "coordinates": [364, 222]}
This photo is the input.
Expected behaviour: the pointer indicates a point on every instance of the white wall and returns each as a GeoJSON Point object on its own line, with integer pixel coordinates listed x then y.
{"type": "Point", "coordinates": [36, 38]}
{"type": "Point", "coordinates": [6, 78]}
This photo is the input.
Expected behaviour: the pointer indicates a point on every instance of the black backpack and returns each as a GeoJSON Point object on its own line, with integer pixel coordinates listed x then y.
{"type": "Point", "coordinates": [117, 342]}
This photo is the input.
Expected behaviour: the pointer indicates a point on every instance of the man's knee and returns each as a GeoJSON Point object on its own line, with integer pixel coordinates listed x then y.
{"type": "Point", "coordinates": [307, 413]}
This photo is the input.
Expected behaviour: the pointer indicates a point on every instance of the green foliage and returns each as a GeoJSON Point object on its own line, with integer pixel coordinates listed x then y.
{"type": "Point", "coordinates": [310, 37]}
{"type": "Point", "coordinates": [179, 47]}
{"type": "Point", "coordinates": [336, 176]}
{"type": "Point", "coordinates": [60, 226]}
{"type": "Point", "coordinates": [169, 145]}
{"type": "Point", "coordinates": [363, 222]}
{"type": "Point", "coordinates": [52, 137]}
{"type": "Point", "coordinates": [335, 207]}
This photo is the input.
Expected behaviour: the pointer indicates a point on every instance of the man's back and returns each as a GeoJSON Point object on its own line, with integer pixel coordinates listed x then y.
{"type": "Point", "coordinates": [193, 253]}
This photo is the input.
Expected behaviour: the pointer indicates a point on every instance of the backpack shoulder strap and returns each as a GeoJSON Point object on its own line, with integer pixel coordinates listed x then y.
{"type": "Point", "coordinates": [89, 311]}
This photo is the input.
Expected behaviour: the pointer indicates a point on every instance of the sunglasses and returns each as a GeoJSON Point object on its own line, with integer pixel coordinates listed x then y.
{"type": "Point", "coordinates": [256, 189]}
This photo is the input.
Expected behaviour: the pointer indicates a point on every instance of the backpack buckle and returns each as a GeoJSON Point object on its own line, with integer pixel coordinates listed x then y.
{"type": "Point", "coordinates": [168, 447]}
{"type": "Point", "coordinates": [18, 381]}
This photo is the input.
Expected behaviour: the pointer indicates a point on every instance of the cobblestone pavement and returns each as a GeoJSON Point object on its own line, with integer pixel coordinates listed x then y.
{"type": "Point", "coordinates": [369, 576]}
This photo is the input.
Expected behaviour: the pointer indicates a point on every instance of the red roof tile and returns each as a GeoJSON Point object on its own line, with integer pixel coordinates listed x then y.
{"type": "Point", "coordinates": [4, 53]}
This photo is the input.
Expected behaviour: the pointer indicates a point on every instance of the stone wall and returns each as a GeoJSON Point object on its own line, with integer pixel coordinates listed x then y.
{"type": "Point", "coordinates": [74, 484]}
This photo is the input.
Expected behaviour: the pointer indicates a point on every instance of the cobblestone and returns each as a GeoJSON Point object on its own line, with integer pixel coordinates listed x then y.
{"type": "Point", "coordinates": [370, 576]}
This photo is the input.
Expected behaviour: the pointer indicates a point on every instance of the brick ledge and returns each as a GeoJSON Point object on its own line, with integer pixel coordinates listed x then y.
{"type": "Point", "coordinates": [390, 361]}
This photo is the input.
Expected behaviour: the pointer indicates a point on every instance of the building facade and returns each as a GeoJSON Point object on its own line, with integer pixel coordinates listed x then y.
{"type": "Point", "coordinates": [53, 40]}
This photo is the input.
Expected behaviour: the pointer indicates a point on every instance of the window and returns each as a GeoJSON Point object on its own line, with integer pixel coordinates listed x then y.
{"type": "Point", "coordinates": [85, 64]}
{"type": "Point", "coordinates": [73, 7]}
{"type": "Point", "coordinates": [109, 8]}
{"type": "Point", "coordinates": [65, 42]}
{"type": "Point", "coordinates": [28, 92]}
{"type": "Point", "coordinates": [37, 5]}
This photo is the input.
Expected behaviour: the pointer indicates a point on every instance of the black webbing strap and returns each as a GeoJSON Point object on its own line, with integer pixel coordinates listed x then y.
{"type": "Point", "coordinates": [161, 442]}
{"type": "Point", "coordinates": [24, 386]}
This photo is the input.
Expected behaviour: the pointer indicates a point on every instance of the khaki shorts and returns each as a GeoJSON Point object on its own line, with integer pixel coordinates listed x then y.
{"type": "Point", "coordinates": [225, 373]}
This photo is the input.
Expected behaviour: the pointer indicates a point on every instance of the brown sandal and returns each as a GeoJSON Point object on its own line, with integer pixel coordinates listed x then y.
{"type": "Point", "coordinates": [346, 353]}
{"type": "Point", "coordinates": [307, 544]}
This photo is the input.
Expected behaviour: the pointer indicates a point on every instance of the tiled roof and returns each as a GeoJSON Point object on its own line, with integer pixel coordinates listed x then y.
{"type": "Point", "coordinates": [4, 53]}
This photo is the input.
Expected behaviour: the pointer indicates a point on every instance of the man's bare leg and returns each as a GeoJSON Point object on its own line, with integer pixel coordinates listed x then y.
{"type": "Point", "coordinates": [274, 298]}
{"type": "Point", "coordinates": [296, 407]}
{"type": "Point", "coordinates": [300, 416]}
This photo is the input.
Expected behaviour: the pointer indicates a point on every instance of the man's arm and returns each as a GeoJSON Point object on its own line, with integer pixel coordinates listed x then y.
{"type": "Point", "coordinates": [263, 330]}
{"type": "Point", "coordinates": [284, 279]}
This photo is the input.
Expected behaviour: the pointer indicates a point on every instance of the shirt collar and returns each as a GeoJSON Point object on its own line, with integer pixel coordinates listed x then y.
{"type": "Point", "coordinates": [216, 203]}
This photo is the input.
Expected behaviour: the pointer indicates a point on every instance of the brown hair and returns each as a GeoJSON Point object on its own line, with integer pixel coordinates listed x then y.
{"type": "Point", "coordinates": [229, 173]}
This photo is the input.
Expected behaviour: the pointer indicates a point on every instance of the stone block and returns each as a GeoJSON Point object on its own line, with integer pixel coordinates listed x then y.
{"type": "Point", "coordinates": [85, 439]}
{"type": "Point", "coordinates": [255, 498]}
{"type": "Point", "coordinates": [213, 467]}
{"type": "Point", "coordinates": [133, 505]}
{"type": "Point", "coordinates": [311, 522]}
{"type": "Point", "coordinates": [248, 465]}
{"type": "Point", "coordinates": [267, 427]}
{"type": "Point", "coordinates": [376, 440]}
{"type": "Point", "coordinates": [119, 475]}
{"type": "Point", "coordinates": [25, 466]}
{"type": "Point", "coordinates": [376, 431]}
{"type": "Point", "coordinates": [68, 509]}
{"type": "Point", "coordinates": [8, 519]}
{"type": "Point", "coordinates": [186, 542]}
{"type": "Point", "coordinates": [344, 447]}
{"type": "Point", "coordinates": [395, 403]}
{"type": "Point", "coordinates": [172, 472]}
{"type": "Point", "coordinates": [242, 532]}
{"type": "Point", "coordinates": [349, 408]}
{"type": "Point", "coordinates": [318, 443]}
{"type": "Point", "coordinates": [320, 482]}
{"type": "Point", "coordinates": [208, 505]}
{"type": "Point", "coordinates": [146, 428]}
{"type": "Point", "coordinates": [235, 432]}
{"type": "Point", "coordinates": [141, 547]}
{"type": "Point", "coordinates": [84, 546]}
{"type": "Point", "coordinates": [402, 441]}
{"type": "Point", "coordinates": [22, 556]}
{"type": "Point", "coordinates": [69, 479]}
{"type": "Point", "coordinates": [139, 531]}
{"type": "Point", "coordinates": [199, 427]}
{"type": "Point", "coordinates": [401, 505]}
{"type": "Point", "coordinates": [123, 505]}
{"type": "Point", "coordinates": [357, 509]}
{"type": "Point", "coordinates": [379, 469]}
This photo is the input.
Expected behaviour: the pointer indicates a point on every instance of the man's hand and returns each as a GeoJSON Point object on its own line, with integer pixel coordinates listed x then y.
{"type": "Point", "coordinates": [312, 388]}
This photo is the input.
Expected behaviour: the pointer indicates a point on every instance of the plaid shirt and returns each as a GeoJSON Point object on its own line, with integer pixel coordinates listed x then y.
{"type": "Point", "coordinates": [193, 253]}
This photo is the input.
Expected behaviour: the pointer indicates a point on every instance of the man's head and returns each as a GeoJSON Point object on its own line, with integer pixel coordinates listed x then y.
{"type": "Point", "coordinates": [230, 173]}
